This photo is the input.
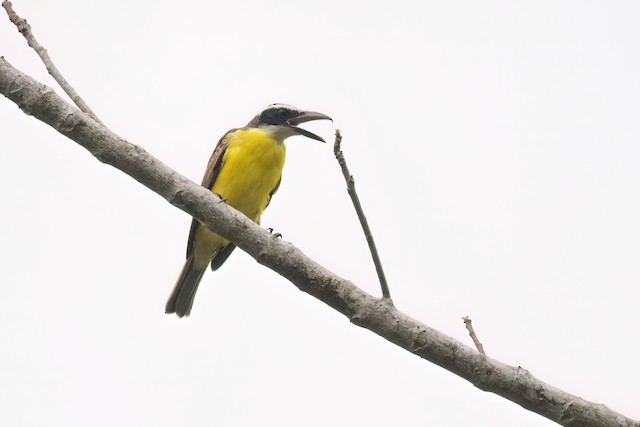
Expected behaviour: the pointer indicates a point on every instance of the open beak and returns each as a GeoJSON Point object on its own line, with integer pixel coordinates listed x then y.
{"type": "Point", "coordinates": [307, 116]}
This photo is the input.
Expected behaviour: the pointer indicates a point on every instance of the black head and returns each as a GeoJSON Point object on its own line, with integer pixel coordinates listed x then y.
{"type": "Point", "coordinates": [287, 117]}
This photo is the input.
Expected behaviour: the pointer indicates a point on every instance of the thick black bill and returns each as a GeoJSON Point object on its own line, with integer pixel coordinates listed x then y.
{"type": "Point", "coordinates": [307, 116]}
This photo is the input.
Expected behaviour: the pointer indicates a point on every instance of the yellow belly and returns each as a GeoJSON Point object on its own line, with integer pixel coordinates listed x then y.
{"type": "Point", "coordinates": [251, 169]}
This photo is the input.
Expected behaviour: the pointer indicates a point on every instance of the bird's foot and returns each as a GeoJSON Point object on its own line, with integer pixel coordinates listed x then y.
{"type": "Point", "coordinates": [275, 235]}
{"type": "Point", "coordinates": [219, 196]}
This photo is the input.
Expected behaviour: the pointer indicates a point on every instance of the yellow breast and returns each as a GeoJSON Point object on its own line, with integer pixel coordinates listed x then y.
{"type": "Point", "coordinates": [251, 169]}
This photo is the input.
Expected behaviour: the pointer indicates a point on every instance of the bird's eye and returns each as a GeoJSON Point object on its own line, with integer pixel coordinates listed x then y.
{"type": "Point", "coordinates": [282, 113]}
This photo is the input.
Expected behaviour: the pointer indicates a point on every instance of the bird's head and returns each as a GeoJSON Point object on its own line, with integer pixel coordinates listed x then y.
{"type": "Point", "coordinates": [282, 121]}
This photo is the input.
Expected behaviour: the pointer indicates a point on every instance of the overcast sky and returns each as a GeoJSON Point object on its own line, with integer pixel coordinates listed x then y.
{"type": "Point", "coordinates": [496, 150]}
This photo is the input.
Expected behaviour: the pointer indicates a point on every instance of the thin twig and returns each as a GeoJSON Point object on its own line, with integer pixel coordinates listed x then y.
{"type": "Point", "coordinates": [472, 333]}
{"type": "Point", "coordinates": [351, 188]}
{"type": "Point", "coordinates": [25, 29]}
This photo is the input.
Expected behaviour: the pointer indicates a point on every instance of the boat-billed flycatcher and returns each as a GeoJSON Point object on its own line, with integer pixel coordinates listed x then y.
{"type": "Point", "coordinates": [244, 171]}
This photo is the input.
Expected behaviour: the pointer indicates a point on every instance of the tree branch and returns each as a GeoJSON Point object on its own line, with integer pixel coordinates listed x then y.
{"type": "Point", "coordinates": [25, 29]}
{"type": "Point", "coordinates": [351, 189]}
{"type": "Point", "coordinates": [472, 334]}
{"type": "Point", "coordinates": [377, 315]}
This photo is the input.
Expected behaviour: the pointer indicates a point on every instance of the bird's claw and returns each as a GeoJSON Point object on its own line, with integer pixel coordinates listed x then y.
{"type": "Point", "coordinates": [276, 235]}
{"type": "Point", "coordinates": [219, 196]}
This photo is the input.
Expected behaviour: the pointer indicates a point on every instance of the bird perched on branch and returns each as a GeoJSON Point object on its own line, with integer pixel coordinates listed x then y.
{"type": "Point", "coordinates": [245, 171]}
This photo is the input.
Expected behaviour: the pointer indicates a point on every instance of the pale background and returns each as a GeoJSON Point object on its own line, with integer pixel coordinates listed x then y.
{"type": "Point", "coordinates": [496, 150]}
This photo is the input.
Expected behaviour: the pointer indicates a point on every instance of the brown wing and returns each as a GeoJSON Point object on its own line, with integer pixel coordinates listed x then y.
{"type": "Point", "coordinates": [210, 175]}
{"type": "Point", "coordinates": [273, 192]}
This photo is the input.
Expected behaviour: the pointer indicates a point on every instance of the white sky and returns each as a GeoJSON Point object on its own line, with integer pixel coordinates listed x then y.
{"type": "Point", "coordinates": [495, 147]}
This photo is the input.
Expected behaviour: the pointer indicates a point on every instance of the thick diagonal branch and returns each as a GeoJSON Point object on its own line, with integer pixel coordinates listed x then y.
{"type": "Point", "coordinates": [377, 315]}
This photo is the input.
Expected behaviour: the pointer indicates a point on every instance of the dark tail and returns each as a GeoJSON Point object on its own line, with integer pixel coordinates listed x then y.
{"type": "Point", "coordinates": [184, 291]}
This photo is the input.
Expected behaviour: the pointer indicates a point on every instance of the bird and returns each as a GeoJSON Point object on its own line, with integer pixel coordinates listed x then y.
{"type": "Point", "coordinates": [244, 171]}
